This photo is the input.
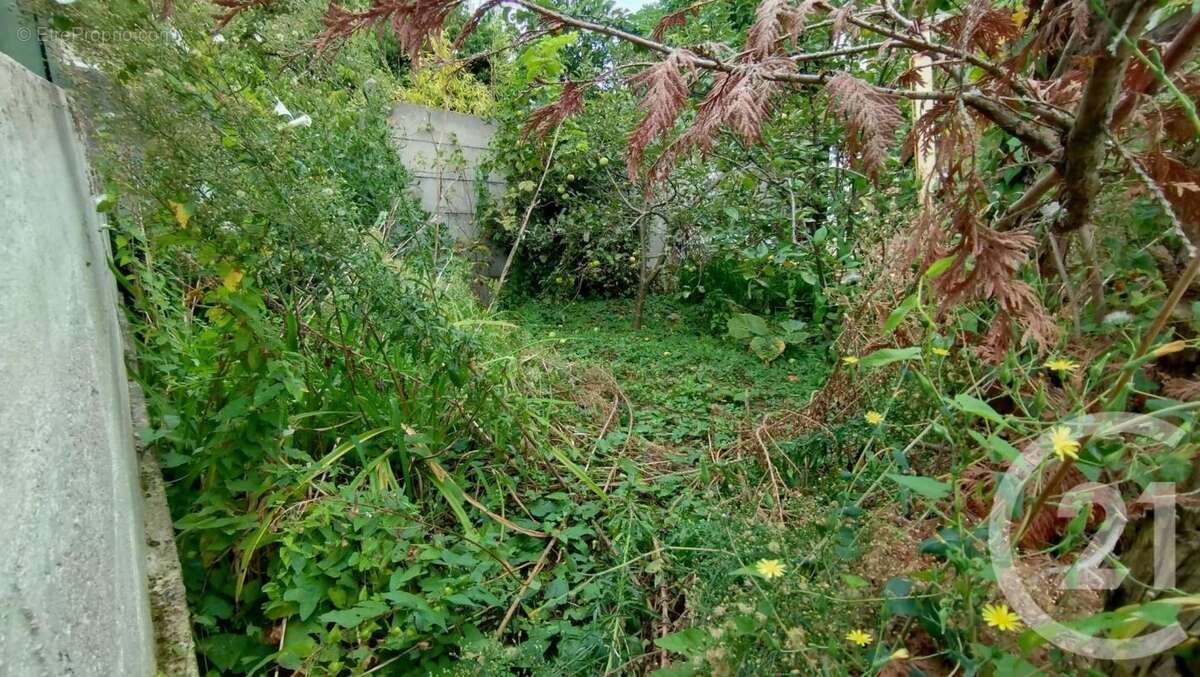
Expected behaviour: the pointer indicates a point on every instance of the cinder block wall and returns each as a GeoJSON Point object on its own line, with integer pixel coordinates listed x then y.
{"type": "Point", "coordinates": [73, 594]}
{"type": "Point", "coordinates": [443, 150]}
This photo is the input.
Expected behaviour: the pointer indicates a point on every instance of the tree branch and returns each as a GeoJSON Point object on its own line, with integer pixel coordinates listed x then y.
{"type": "Point", "coordinates": [1083, 152]}
{"type": "Point", "coordinates": [1039, 139]}
{"type": "Point", "coordinates": [1176, 53]}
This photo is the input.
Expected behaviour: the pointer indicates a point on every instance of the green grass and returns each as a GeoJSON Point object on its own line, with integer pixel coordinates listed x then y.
{"type": "Point", "coordinates": [683, 382]}
{"type": "Point", "coordinates": [689, 537]}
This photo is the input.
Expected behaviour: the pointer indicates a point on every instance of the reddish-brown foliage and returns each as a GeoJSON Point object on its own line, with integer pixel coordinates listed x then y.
{"type": "Point", "coordinates": [232, 9]}
{"type": "Point", "coordinates": [1180, 184]}
{"type": "Point", "coordinates": [987, 266]}
{"type": "Point", "coordinates": [739, 100]}
{"type": "Point", "coordinates": [666, 84]}
{"type": "Point", "coordinates": [545, 119]}
{"type": "Point", "coordinates": [871, 119]}
{"type": "Point", "coordinates": [981, 27]}
{"type": "Point", "coordinates": [412, 22]}
{"type": "Point", "coordinates": [775, 21]}
{"type": "Point", "coordinates": [674, 20]}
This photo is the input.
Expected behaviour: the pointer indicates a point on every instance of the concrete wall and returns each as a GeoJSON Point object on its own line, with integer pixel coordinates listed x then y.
{"type": "Point", "coordinates": [444, 149]}
{"type": "Point", "coordinates": [19, 37]}
{"type": "Point", "coordinates": [73, 593]}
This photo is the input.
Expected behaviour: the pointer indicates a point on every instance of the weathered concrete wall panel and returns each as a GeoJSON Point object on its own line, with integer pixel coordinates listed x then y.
{"type": "Point", "coordinates": [443, 150]}
{"type": "Point", "coordinates": [73, 598]}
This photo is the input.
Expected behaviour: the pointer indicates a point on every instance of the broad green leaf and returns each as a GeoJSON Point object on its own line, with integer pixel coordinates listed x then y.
{"type": "Point", "coordinates": [349, 618]}
{"type": "Point", "coordinates": [890, 355]}
{"type": "Point", "coordinates": [940, 266]}
{"type": "Point", "coordinates": [855, 581]}
{"type": "Point", "coordinates": [745, 325]}
{"type": "Point", "coordinates": [689, 642]}
{"type": "Point", "coordinates": [897, 316]}
{"type": "Point", "coordinates": [926, 486]}
{"type": "Point", "coordinates": [767, 347]}
{"type": "Point", "coordinates": [997, 445]}
{"type": "Point", "coordinates": [1158, 613]}
{"type": "Point", "coordinates": [971, 405]}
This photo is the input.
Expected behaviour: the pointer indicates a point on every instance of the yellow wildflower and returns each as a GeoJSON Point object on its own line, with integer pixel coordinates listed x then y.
{"type": "Point", "coordinates": [940, 352]}
{"type": "Point", "coordinates": [850, 359]}
{"type": "Point", "coordinates": [769, 568]}
{"type": "Point", "coordinates": [1168, 348]}
{"type": "Point", "coordinates": [1062, 366]}
{"type": "Point", "coordinates": [873, 417]}
{"type": "Point", "coordinates": [858, 637]}
{"type": "Point", "coordinates": [1002, 618]}
{"type": "Point", "coordinates": [1063, 444]}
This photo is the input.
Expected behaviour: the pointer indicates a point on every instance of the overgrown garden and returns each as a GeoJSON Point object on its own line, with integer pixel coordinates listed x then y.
{"type": "Point", "coordinates": [788, 287]}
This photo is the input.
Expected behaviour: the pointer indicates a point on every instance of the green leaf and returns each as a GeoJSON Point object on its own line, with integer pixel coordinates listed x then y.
{"type": "Point", "coordinates": [940, 266]}
{"type": "Point", "coordinates": [855, 582]}
{"type": "Point", "coordinates": [744, 325]}
{"type": "Point", "coordinates": [689, 642]}
{"type": "Point", "coordinates": [1008, 665]}
{"type": "Point", "coordinates": [925, 486]}
{"type": "Point", "coordinates": [401, 576]}
{"type": "Point", "coordinates": [349, 618]}
{"type": "Point", "coordinates": [767, 347]}
{"type": "Point", "coordinates": [971, 405]}
{"type": "Point", "coordinates": [997, 445]}
{"type": "Point", "coordinates": [1158, 613]}
{"type": "Point", "coordinates": [890, 355]}
{"type": "Point", "coordinates": [229, 651]}
{"type": "Point", "coordinates": [899, 600]}
{"type": "Point", "coordinates": [897, 316]}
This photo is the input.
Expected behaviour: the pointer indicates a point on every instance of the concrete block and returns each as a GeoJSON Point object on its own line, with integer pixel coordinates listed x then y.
{"type": "Point", "coordinates": [73, 597]}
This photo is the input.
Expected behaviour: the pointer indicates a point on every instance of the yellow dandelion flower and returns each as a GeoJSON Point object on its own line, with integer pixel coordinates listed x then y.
{"type": "Point", "coordinates": [1062, 366]}
{"type": "Point", "coordinates": [873, 417]}
{"type": "Point", "coordinates": [850, 359]}
{"type": "Point", "coordinates": [1168, 348]}
{"type": "Point", "coordinates": [1002, 618]}
{"type": "Point", "coordinates": [1063, 444]}
{"type": "Point", "coordinates": [859, 637]}
{"type": "Point", "coordinates": [769, 568]}
{"type": "Point", "coordinates": [940, 352]}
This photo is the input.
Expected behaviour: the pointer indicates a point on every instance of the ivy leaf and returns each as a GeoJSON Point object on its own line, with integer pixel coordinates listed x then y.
{"type": "Point", "coordinates": [229, 651]}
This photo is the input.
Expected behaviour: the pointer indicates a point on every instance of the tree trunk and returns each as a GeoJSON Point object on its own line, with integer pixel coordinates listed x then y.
{"type": "Point", "coordinates": [1137, 551]}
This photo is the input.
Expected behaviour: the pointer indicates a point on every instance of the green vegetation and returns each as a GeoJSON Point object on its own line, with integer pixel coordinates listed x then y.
{"type": "Point", "coordinates": [688, 389]}
{"type": "Point", "coordinates": [744, 400]}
